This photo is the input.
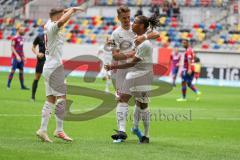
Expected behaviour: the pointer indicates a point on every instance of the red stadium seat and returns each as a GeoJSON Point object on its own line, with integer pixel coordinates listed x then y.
{"type": "Point", "coordinates": [196, 25]}
{"type": "Point", "coordinates": [173, 19]}
{"type": "Point", "coordinates": [157, 2]}
{"type": "Point", "coordinates": [105, 28]}
{"type": "Point", "coordinates": [76, 27]}
{"type": "Point", "coordinates": [190, 35]}
{"type": "Point", "coordinates": [188, 2]}
{"type": "Point", "coordinates": [1, 34]}
{"type": "Point", "coordinates": [174, 25]}
{"type": "Point", "coordinates": [213, 26]}
{"type": "Point", "coordinates": [81, 31]}
{"type": "Point", "coordinates": [205, 3]}
{"type": "Point", "coordinates": [70, 22]}
{"type": "Point", "coordinates": [205, 46]}
{"type": "Point", "coordinates": [231, 41]}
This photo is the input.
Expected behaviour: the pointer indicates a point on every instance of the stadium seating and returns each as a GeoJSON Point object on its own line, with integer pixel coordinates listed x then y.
{"type": "Point", "coordinates": [190, 3]}
{"type": "Point", "coordinates": [8, 6]}
{"type": "Point", "coordinates": [92, 30]}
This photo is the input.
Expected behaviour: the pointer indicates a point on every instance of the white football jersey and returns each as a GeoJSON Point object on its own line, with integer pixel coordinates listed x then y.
{"type": "Point", "coordinates": [124, 39]}
{"type": "Point", "coordinates": [54, 40]}
{"type": "Point", "coordinates": [144, 51]}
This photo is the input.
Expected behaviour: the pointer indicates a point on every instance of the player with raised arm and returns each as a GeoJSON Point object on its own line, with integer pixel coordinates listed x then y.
{"type": "Point", "coordinates": [138, 80]}
{"type": "Point", "coordinates": [18, 58]}
{"type": "Point", "coordinates": [53, 73]}
{"type": "Point", "coordinates": [125, 40]}
{"type": "Point", "coordinates": [188, 72]}
{"type": "Point", "coordinates": [40, 54]}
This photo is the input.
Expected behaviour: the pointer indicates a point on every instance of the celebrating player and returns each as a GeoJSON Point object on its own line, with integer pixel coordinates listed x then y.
{"type": "Point", "coordinates": [53, 73]}
{"type": "Point", "coordinates": [18, 58]}
{"type": "Point", "coordinates": [39, 41]}
{"type": "Point", "coordinates": [175, 63]}
{"type": "Point", "coordinates": [188, 72]}
{"type": "Point", "coordinates": [125, 40]}
{"type": "Point", "coordinates": [138, 80]}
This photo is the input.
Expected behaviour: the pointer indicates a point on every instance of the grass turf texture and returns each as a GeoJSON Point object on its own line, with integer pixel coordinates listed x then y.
{"type": "Point", "coordinates": [213, 133]}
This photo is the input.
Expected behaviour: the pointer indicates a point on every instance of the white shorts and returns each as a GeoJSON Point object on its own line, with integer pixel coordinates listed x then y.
{"type": "Point", "coordinates": [54, 81]}
{"type": "Point", "coordinates": [138, 84]}
{"type": "Point", "coordinates": [120, 77]}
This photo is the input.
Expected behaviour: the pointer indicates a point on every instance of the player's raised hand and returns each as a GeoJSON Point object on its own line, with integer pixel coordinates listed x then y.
{"type": "Point", "coordinates": [78, 9]}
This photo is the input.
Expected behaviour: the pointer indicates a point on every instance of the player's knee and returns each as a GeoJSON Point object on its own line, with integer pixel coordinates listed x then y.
{"type": "Point", "coordinates": [47, 109]}
{"type": "Point", "coordinates": [60, 108]}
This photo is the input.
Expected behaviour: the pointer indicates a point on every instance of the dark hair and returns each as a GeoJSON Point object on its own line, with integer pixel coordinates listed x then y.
{"type": "Point", "coordinates": [55, 11]}
{"type": "Point", "coordinates": [153, 21]}
{"type": "Point", "coordinates": [122, 9]}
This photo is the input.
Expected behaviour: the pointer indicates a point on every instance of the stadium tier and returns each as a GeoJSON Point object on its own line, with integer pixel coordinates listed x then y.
{"type": "Point", "coordinates": [193, 3]}
{"type": "Point", "coordinates": [92, 30]}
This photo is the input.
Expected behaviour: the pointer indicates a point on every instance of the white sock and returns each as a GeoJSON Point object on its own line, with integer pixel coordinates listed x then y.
{"type": "Point", "coordinates": [121, 113]}
{"type": "Point", "coordinates": [59, 124]}
{"type": "Point", "coordinates": [146, 121]}
{"type": "Point", "coordinates": [136, 116]}
{"type": "Point", "coordinates": [59, 114]}
{"type": "Point", "coordinates": [46, 114]}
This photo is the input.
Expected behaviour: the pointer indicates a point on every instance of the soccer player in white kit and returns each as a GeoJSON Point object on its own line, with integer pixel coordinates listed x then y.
{"type": "Point", "coordinates": [53, 73]}
{"type": "Point", "coordinates": [138, 80]}
{"type": "Point", "coordinates": [126, 40]}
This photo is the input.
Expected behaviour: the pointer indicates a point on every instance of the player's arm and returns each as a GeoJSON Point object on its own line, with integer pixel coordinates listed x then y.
{"type": "Point", "coordinates": [14, 51]}
{"type": "Point", "coordinates": [34, 48]}
{"type": "Point", "coordinates": [66, 16]}
{"type": "Point", "coordinates": [117, 56]}
{"type": "Point", "coordinates": [150, 36]}
{"type": "Point", "coordinates": [123, 66]}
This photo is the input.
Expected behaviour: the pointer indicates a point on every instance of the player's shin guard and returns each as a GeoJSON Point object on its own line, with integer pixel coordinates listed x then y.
{"type": "Point", "coordinates": [184, 89]}
{"type": "Point", "coordinates": [145, 113]}
{"type": "Point", "coordinates": [121, 113]}
{"type": "Point", "coordinates": [34, 88]}
{"type": "Point", "coordinates": [46, 114]}
{"type": "Point", "coordinates": [59, 113]}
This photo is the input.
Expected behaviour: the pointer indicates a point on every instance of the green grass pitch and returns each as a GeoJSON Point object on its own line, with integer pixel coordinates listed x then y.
{"type": "Point", "coordinates": [210, 132]}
